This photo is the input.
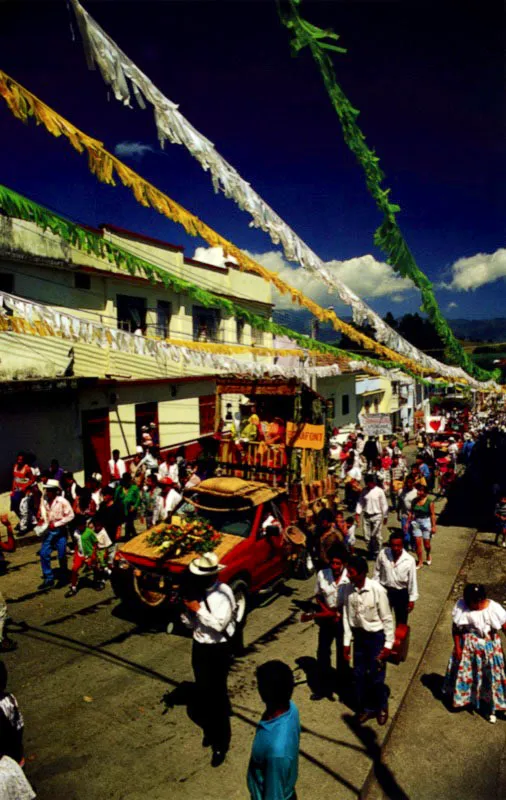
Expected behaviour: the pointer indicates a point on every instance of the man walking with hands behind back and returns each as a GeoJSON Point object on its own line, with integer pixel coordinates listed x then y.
{"type": "Point", "coordinates": [210, 613]}
{"type": "Point", "coordinates": [373, 506]}
{"type": "Point", "coordinates": [367, 618]}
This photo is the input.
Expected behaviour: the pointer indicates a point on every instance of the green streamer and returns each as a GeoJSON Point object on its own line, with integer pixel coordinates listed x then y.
{"type": "Point", "coordinates": [388, 236]}
{"type": "Point", "coordinates": [15, 205]}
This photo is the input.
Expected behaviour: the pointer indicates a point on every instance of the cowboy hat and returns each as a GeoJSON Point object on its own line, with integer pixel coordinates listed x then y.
{"type": "Point", "coordinates": [52, 483]}
{"type": "Point", "coordinates": [206, 564]}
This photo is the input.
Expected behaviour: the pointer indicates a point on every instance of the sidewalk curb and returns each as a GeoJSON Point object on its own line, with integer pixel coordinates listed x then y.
{"type": "Point", "coordinates": [370, 777]}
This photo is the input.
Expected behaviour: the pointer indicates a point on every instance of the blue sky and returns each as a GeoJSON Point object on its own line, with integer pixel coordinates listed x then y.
{"type": "Point", "coordinates": [428, 79]}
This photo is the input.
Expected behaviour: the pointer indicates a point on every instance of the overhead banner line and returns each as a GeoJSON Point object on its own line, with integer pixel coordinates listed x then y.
{"type": "Point", "coordinates": [120, 72]}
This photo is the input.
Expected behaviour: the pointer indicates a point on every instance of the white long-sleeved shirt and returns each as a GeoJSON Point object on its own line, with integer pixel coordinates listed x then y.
{"type": "Point", "coordinates": [169, 471]}
{"type": "Point", "coordinates": [169, 503]}
{"type": "Point", "coordinates": [116, 469]}
{"type": "Point", "coordinates": [58, 513]}
{"type": "Point", "coordinates": [214, 622]}
{"type": "Point", "coordinates": [372, 502]}
{"type": "Point", "coordinates": [329, 589]}
{"type": "Point", "coordinates": [367, 608]}
{"type": "Point", "coordinates": [400, 574]}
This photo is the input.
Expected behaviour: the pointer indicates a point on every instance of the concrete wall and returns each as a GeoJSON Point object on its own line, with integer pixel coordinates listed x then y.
{"type": "Point", "coordinates": [334, 389]}
{"type": "Point", "coordinates": [49, 424]}
{"type": "Point", "coordinates": [44, 268]}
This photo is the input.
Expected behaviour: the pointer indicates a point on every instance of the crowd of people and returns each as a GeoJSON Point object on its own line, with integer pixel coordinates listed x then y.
{"type": "Point", "coordinates": [362, 602]}
{"type": "Point", "coordinates": [87, 521]}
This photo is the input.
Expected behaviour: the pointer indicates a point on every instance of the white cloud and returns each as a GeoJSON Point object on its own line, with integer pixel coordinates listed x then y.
{"type": "Point", "coordinates": [136, 150]}
{"type": "Point", "coordinates": [452, 305]}
{"type": "Point", "coordinates": [364, 275]}
{"type": "Point", "coordinates": [475, 271]}
{"type": "Point", "coordinates": [212, 255]}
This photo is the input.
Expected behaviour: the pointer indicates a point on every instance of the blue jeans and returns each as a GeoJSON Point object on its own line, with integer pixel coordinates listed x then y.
{"type": "Point", "coordinates": [54, 539]}
{"type": "Point", "coordinates": [372, 694]}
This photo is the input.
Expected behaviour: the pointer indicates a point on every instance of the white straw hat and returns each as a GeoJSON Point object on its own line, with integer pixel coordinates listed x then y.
{"type": "Point", "coordinates": [206, 564]}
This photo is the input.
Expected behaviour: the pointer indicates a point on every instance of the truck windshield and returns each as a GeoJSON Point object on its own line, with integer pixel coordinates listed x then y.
{"type": "Point", "coordinates": [238, 523]}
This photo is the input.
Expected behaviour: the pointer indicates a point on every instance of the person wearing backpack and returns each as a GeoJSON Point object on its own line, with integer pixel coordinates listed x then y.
{"type": "Point", "coordinates": [210, 612]}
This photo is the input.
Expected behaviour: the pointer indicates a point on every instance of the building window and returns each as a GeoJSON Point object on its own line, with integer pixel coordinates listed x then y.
{"type": "Point", "coordinates": [131, 313]}
{"type": "Point", "coordinates": [257, 337]}
{"type": "Point", "coordinates": [163, 316]}
{"type": "Point", "coordinates": [207, 413]}
{"type": "Point", "coordinates": [146, 416]}
{"type": "Point", "coordinates": [82, 281]}
{"type": "Point", "coordinates": [331, 408]}
{"type": "Point", "coordinates": [240, 330]}
{"type": "Point", "coordinates": [7, 282]}
{"type": "Point", "coordinates": [345, 405]}
{"type": "Point", "coordinates": [206, 324]}
{"type": "Point", "coordinates": [395, 387]}
{"type": "Point", "coordinates": [376, 406]}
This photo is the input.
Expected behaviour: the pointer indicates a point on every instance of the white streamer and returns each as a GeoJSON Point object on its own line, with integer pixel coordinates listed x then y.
{"type": "Point", "coordinates": [117, 70]}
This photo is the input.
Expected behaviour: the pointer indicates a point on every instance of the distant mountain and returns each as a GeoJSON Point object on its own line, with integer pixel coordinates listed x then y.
{"type": "Point", "coordinates": [476, 330]}
{"type": "Point", "coordinates": [480, 329]}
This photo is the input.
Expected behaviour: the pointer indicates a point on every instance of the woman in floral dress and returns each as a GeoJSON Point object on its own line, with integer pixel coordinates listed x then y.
{"type": "Point", "coordinates": [476, 674]}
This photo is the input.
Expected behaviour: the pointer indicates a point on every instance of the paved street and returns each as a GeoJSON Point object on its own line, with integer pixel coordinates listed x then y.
{"type": "Point", "coordinates": [91, 684]}
{"type": "Point", "coordinates": [435, 753]}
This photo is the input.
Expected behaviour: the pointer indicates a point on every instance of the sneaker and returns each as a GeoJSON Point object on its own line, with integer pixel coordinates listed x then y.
{"type": "Point", "coordinates": [100, 586]}
{"type": "Point", "coordinates": [504, 544]}
{"type": "Point", "coordinates": [492, 719]}
{"type": "Point", "coordinates": [419, 566]}
{"type": "Point", "coordinates": [47, 583]}
{"type": "Point", "coordinates": [71, 592]}
{"type": "Point", "coordinates": [429, 562]}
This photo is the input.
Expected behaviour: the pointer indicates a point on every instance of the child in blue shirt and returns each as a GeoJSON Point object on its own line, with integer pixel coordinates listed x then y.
{"type": "Point", "coordinates": [273, 767]}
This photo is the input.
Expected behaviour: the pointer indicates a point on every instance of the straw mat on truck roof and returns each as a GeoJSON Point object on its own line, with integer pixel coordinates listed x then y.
{"type": "Point", "coordinates": [252, 492]}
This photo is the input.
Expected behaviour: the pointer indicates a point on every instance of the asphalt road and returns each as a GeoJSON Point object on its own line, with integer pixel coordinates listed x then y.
{"type": "Point", "coordinates": [91, 683]}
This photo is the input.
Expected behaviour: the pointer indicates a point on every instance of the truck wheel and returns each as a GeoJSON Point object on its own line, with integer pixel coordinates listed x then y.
{"type": "Point", "coordinates": [241, 593]}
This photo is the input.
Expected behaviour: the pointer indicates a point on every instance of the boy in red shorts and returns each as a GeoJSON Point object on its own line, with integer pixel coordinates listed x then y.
{"type": "Point", "coordinates": [91, 545]}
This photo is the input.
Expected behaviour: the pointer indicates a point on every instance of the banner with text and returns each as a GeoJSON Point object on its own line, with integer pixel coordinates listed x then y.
{"type": "Point", "coordinates": [308, 436]}
{"type": "Point", "coordinates": [377, 424]}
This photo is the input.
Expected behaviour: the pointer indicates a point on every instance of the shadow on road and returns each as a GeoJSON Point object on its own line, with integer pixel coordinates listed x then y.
{"type": "Point", "coordinates": [384, 776]}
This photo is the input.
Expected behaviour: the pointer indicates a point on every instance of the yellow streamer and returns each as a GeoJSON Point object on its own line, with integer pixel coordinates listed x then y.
{"type": "Point", "coordinates": [23, 104]}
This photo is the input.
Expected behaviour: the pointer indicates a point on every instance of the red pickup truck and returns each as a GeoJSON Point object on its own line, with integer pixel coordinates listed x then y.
{"type": "Point", "coordinates": [251, 517]}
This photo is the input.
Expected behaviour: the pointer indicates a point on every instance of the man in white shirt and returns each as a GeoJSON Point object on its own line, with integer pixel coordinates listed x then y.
{"type": "Point", "coordinates": [453, 450]}
{"type": "Point", "coordinates": [373, 506]}
{"type": "Point", "coordinates": [117, 468]}
{"type": "Point", "coordinates": [367, 618]}
{"type": "Point", "coordinates": [58, 513]}
{"type": "Point", "coordinates": [330, 583]}
{"type": "Point", "coordinates": [396, 571]}
{"type": "Point", "coordinates": [210, 614]}
{"type": "Point", "coordinates": [168, 501]}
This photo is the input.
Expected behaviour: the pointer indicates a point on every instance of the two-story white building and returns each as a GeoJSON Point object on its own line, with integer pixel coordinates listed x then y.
{"type": "Point", "coordinates": [83, 360]}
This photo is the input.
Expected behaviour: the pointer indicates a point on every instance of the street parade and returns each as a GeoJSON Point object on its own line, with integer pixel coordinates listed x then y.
{"type": "Point", "coordinates": [252, 545]}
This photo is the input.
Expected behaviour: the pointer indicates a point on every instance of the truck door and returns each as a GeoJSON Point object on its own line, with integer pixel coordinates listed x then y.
{"type": "Point", "coordinates": [267, 550]}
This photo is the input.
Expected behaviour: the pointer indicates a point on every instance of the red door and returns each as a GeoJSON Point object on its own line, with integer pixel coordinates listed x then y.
{"type": "Point", "coordinates": [207, 413]}
{"type": "Point", "coordinates": [96, 442]}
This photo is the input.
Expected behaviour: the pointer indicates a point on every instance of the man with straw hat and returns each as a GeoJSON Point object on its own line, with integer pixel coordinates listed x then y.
{"type": "Point", "coordinates": [58, 513]}
{"type": "Point", "coordinates": [210, 613]}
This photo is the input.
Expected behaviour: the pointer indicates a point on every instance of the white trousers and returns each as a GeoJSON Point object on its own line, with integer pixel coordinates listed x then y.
{"type": "Point", "coordinates": [373, 532]}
